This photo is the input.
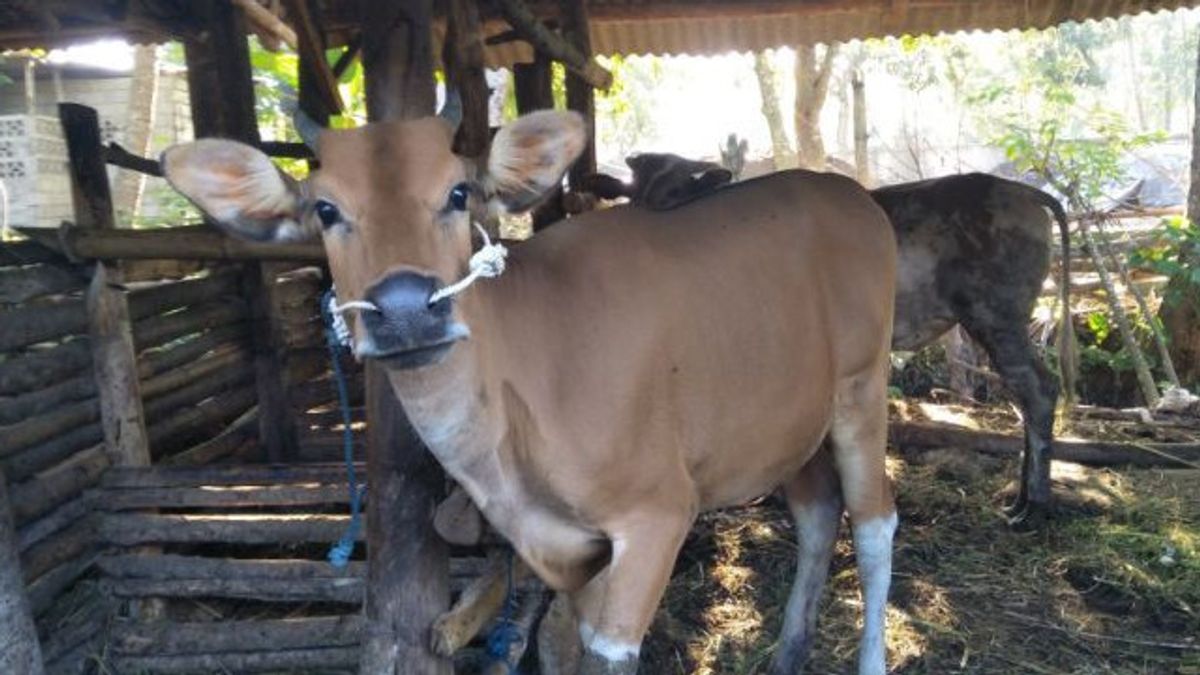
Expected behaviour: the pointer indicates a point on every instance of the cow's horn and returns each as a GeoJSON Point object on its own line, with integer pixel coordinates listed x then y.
{"type": "Point", "coordinates": [452, 109]}
{"type": "Point", "coordinates": [308, 129]}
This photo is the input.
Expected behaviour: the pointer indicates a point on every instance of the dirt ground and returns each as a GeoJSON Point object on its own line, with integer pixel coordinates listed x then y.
{"type": "Point", "coordinates": [1111, 586]}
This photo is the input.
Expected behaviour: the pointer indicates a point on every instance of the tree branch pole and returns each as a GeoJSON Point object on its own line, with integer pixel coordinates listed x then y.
{"type": "Point", "coordinates": [529, 27]}
{"type": "Point", "coordinates": [408, 583]}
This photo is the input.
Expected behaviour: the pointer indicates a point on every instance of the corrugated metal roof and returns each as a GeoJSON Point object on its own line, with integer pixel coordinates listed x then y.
{"type": "Point", "coordinates": [718, 26]}
{"type": "Point", "coordinates": [617, 26]}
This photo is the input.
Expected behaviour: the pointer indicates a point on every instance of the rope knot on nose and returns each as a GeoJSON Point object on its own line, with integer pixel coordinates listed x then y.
{"type": "Point", "coordinates": [485, 263]}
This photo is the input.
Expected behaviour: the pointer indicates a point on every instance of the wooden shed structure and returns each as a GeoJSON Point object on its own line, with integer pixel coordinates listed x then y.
{"type": "Point", "coordinates": [167, 418]}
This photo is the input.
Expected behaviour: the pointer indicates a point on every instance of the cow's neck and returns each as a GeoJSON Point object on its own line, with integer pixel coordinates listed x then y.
{"type": "Point", "coordinates": [454, 407]}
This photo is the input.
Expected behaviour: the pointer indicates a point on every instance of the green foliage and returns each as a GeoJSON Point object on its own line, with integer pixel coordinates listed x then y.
{"type": "Point", "coordinates": [1175, 254]}
{"type": "Point", "coordinates": [625, 113]}
{"type": "Point", "coordinates": [1044, 106]}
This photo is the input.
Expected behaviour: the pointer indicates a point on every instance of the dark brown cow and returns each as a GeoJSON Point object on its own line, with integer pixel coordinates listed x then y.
{"type": "Point", "coordinates": [974, 251]}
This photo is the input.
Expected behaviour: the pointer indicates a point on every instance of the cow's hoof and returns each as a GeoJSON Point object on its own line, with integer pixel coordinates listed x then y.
{"type": "Point", "coordinates": [1031, 517]}
{"type": "Point", "coordinates": [448, 634]}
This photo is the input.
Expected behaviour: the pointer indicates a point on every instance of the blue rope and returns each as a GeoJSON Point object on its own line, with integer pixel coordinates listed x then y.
{"type": "Point", "coordinates": [340, 552]}
{"type": "Point", "coordinates": [506, 632]}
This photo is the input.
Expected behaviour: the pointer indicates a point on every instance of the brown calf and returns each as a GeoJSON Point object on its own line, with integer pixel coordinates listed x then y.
{"type": "Point", "coordinates": [630, 369]}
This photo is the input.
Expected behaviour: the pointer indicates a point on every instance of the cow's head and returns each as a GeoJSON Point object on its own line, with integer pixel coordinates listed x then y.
{"type": "Point", "coordinates": [393, 206]}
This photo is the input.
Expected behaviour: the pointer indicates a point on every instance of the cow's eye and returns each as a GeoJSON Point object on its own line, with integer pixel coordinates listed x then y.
{"type": "Point", "coordinates": [458, 197]}
{"type": "Point", "coordinates": [328, 213]}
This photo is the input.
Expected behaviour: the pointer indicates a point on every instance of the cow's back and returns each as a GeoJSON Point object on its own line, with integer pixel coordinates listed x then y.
{"type": "Point", "coordinates": [721, 324]}
{"type": "Point", "coordinates": [963, 238]}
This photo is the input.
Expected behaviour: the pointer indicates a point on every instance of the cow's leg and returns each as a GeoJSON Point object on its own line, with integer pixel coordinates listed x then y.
{"type": "Point", "coordinates": [1036, 389]}
{"type": "Point", "coordinates": [858, 437]}
{"type": "Point", "coordinates": [615, 608]}
{"type": "Point", "coordinates": [559, 646]}
{"type": "Point", "coordinates": [815, 500]}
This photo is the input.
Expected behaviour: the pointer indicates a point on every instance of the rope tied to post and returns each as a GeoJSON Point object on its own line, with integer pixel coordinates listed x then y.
{"type": "Point", "coordinates": [506, 632]}
{"type": "Point", "coordinates": [337, 336]}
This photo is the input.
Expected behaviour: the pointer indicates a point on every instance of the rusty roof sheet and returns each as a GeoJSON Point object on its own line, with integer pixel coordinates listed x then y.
{"type": "Point", "coordinates": [617, 26]}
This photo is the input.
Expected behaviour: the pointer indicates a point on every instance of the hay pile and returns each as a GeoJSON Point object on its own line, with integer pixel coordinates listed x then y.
{"type": "Point", "coordinates": [1113, 586]}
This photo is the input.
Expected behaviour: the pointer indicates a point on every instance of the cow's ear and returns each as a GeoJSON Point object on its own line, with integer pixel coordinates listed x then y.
{"type": "Point", "coordinates": [238, 187]}
{"type": "Point", "coordinates": [529, 157]}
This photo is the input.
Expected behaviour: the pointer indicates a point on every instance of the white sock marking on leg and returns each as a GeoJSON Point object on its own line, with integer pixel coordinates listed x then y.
{"type": "Point", "coordinates": [612, 650]}
{"type": "Point", "coordinates": [873, 548]}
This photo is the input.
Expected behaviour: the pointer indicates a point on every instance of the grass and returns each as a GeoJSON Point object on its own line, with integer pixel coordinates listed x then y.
{"type": "Point", "coordinates": [1111, 586]}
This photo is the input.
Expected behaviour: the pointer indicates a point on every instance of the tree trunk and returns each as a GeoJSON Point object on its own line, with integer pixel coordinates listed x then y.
{"type": "Point", "coordinates": [781, 149]}
{"type": "Point", "coordinates": [862, 160]}
{"type": "Point", "coordinates": [812, 84]}
{"type": "Point", "coordinates": [1180, 314]}
{"type": "Point", "coordinates": [143, 101]}
{"type": "Point", "coordinates": [1125, 328]}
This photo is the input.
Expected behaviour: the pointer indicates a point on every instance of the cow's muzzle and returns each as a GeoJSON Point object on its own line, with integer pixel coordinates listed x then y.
{"type": "Point", "coordinates": [407, 331]}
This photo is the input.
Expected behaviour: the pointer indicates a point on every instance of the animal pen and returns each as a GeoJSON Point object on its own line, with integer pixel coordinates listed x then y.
{"type": "Point", "coordinates": [169, 425]}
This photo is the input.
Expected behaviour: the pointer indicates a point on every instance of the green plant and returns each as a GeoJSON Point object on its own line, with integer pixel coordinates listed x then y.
{"type": "Point", "coordinates": [1173, 254]}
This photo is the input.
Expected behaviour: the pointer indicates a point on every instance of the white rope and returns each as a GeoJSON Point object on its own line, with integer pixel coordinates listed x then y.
{"type": "Point", "coordinates": [487, 262]}
{"type": "Point", "coordinates": [340, 329]}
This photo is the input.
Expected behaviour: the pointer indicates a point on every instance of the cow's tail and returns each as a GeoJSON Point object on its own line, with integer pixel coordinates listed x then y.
{"type": "Point", "coordinates": [1068, 351]}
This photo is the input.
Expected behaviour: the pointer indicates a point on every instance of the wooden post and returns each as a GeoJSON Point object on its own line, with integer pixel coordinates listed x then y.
{"type": "Point", "coordinates": [20, 651]}
{"type": "Point", "coordinates": [222, 97]}
{"type": "Point", "coordinates": [532, 82]}
{"type": "Point", "coordinates": [580, 96]}
{"type": "Point", "coordinates": [463, 56]}
{"type": "Point", "coordinates": [113, 357]}
{"type": "Point", "coordinates": [862, 160]}
{"type": "Point", "coordinates": [408, 583]}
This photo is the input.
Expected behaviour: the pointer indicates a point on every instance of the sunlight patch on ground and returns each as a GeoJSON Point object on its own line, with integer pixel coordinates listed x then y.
{"type": "Point", "coordinates": [946, 415]}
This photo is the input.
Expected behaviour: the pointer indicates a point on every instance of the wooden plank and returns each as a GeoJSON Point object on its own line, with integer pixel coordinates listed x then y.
{"type": "Point", "coordinates": [276, 426]}
{"type": "Point", "coordinates": [224, 444]}
{"type": "Point", "coordinates": [1093, 453]}
{"type": "Point", "coordinates": [581, 96]}
{"type": "Point", "coordinates": [158, 330]}
{"type": "Point", "coordinates": [246, 474]}
{"type": "Point", "coordinates": [232, 496]}
{"type": "Point", "coordinates": [109, 326]}
{"type": "Point", "coordinates": [58, 549]}
{"type": "Point", "coordinates": [58, 485]}
{"type": "Point", "coordinates": [139, 638]}
{"type": "Point", "coordinates": [46, 589]}
{"type": "Point", "coordinates": [20, 650]}
{"type": "Point", "coordinates": [42, 367]}
{"type": "Point", "coordinates": [158, 298]}
{"type": "Point", "coordinates": [34, 403]}
{"type": "Point", "coordinates": [284, 660]}
{"type": "Point", "coordinates": [58, 519]}
{"type": "Point", "coordinates": [41, 322]}
{"type": "Point", "coordinates": [21, 284]}
{"type": "Point", "coordinates": [175, 243]}
{"type": "Point", "coordinates": [41, 457]}
{"type": "Point", "coordinates": [529, 27]}
{"type": "Point", "coordinates": [205, 419]}
{"type": "Point", "coordinates": [23, 435]}
{"type": "Point", "coordinates": [133, 529]}
{"type": "Point", "coordinates": [311, 48]}
{"type": "Point", "coordinates": [462, 55]}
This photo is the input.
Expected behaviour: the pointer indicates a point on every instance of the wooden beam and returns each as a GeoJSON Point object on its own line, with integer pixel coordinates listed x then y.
{"type": "Point", "coordinates": [276, 425]}
{"type": "Point", "coordinates": [218, 70]}
{"type": "Point", "coordinates": [397, 59]}
{"type": "Point", "coordinates": [312, 55]}
{"type": "Point", "coordinates": [109, 325]}
{"type": "Point", "coordinates": [231, 92]}
{"type": "Point", "coordinates": [408, 583]}
{"type": "Point", "coordinates": [581, 96]}
{"type": "Point", "coordinates": [347, 58]}
{"type": "Point", "coordinates": [268, 23]}
{"type": "Point", "coordinates": [463, 55]}
{"type": "Point", "coordinates": [527, 24]}
{"type": "Point", "coordinates": [533, 91]}
{"type": "Point", "coordinates": [175, 243]}
{"type": "Point", "coordinates": [20, 651]}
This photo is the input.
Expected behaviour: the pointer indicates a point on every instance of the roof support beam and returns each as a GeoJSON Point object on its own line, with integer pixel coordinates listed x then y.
{"type": "Point", "coordinates": [312, 57]}
{"type": "Point", "coordinates": [529, 27]}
